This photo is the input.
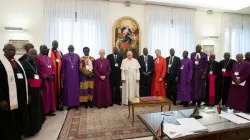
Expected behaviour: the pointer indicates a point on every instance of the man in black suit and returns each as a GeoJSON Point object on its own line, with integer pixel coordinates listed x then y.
{"type": "Point", "coordinates": [115, 61]}
{"type": "Point", "coordinates": [146, 71]}
{"type": "Point", "coordinates": [173, 66]}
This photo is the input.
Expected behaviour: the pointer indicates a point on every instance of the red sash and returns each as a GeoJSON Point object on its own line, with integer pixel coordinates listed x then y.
{"type": "Point", "coordinates": [211, 93]}
{"type": "Point", "coordinates": [35, 83]}
{"type": "Point", "coordinates": [226, 74]}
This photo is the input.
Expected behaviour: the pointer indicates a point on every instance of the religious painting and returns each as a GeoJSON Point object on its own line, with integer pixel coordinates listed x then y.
{"type": "Point", "coordinates": [19, 45]}
{"type": "Point", "coordinates": [126, 36]}
{"type": "Point", "coordinates": [208, 49]}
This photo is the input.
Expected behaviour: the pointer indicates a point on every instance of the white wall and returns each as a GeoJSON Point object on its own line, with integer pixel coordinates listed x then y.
{"type": "Point", "coordinates": [28, 14]}
{"type": "Point", "coordinates": [21, 13]}
{"type": "Point", "coordinates": [209, 25]}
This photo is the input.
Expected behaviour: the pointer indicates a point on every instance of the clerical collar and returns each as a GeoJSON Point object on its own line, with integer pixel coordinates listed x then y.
{"type": "Point", "coordinates": [145, 55]}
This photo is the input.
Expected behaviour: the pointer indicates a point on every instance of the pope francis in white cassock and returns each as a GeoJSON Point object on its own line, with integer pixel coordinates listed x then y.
{"type": "Point", "coordinates": [130, 78]}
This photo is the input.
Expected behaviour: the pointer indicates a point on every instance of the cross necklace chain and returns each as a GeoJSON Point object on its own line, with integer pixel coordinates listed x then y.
{"type": "Point", "coordinates": [72, 62]}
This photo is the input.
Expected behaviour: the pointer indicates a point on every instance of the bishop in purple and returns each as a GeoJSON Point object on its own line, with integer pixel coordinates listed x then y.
{"type": "Point", "coordinates": [186, 74]}
{"type": "Point", "coordinates": [199, 74]}
{"type": "Point", "coordinates": [71, 83]}
{"type": "Point", "coordinates": [45, 65]}
{"type": "Point", "coordinates": [239, 90]}
{"type": "Point", "coordinates": [102, 70]}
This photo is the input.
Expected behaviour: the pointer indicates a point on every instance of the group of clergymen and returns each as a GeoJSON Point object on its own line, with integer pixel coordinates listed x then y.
{"type": "Point", "coordinates": [36, 85]}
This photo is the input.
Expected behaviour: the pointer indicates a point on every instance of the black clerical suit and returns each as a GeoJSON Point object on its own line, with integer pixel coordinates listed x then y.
{"type": "Point", "coordinates": [115, 77]}
{"type": "Point", "coordinates": [173, 66]}
{"type": "Point", "coordinates": [225, 69]}
{"type": "Point", "coordinates": [147, 66]}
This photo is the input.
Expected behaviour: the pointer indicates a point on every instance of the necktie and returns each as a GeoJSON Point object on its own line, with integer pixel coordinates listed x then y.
{"type": "Point", "coordinates": [170, 64]}
{"type": "Point", "coordinates": [171, 59]}
{"type": "Point", "coordinates": [13, 63]}
{"type": "Point", "coordinates": [115, 58]}
{"type": "Point", "coordinates": [146, 62]}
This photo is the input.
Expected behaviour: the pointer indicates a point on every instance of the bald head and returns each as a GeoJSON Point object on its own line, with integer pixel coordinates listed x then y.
{"type": "Point", "coordinates": [115, 50]}
{"type": "Point", "coordinates": [172, 52]}
{"type": "Point", "coordinates": [9, 51]}
{"type": "Point", "coordinates": [227, 55]}
{"type": "Point", "coordinates": [102, 53]}
{"type": "Point", "coordinates": [71, 49]}
{"type": "Point", "coordinates": [54, 45]}
{"type": "Point", "coordinates": [198, 48]}
{"type": "Point", "coordinates": [247, 56]}
{"type": "Point", "coordinates": [44, 50]}
{"type": "Point", "coordinates": [32, 54]}
{"type": "Point", "coordinates": [129, 55]}
{"type": "Point", "coordinates": [239, 57]}
{"type": "Point", "coordinates": [158, 53]}
{"type": "Point", "coordinates": [145, 51]}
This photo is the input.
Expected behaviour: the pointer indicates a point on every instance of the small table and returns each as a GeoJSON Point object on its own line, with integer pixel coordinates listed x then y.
{"type": "Point", "coordinates": [136, 102]}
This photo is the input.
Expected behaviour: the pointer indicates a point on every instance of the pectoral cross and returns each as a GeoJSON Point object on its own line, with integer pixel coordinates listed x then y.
{"type": "Point", "coordinates": [72, 66]}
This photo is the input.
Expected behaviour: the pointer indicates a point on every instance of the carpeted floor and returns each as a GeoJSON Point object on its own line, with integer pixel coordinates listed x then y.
{"type": "Point", "coordinates": [105, 124]}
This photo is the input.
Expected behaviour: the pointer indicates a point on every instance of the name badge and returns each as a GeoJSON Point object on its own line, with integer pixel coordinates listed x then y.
{"type": "Point", "coordinates": [223, 70]}
{"type": "Point", "coordinates": [236, 73]}
{"type": "Point", "coordinates": [211, 72]}
{"type": "Point", "coordinates": [36, 76]}
{"type": "Point", "coordinates": [49, 66]}
{"type": "Point", "coordinates": [196, 62]}
{"type": "Point", "coordinates": [57, 60]}
{"type": "Point", "coordinates": [169, 65]}
{"type": "Point", "coordinates": [19, 75]}
{"type": "Point", "coordinates": [237, 77]}
{"type": "Point", "coordinates": [116, 65]}
{"type": "Point", "coordinates": [182, 67]}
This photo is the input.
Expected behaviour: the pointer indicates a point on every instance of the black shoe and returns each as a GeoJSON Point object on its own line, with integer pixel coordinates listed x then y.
{"type": "Point", "coordinates": [105, 107]}
{"type": "Point", "coordinates": [174, 103]}
{"type": "Point", "coordinates": [112, 104]}
{"type": "Point", "coordinates": [50, 114]}
{"type": "Point", "coordinates": [99, 107]}
{"type": "Point", "coordinates": [76, 107]}
{"type": "Point", "coordinates": [86, 105]}
{"type": "Point", "coordinates": [90, 104]}
{"type": "Point", "coordinates": [69, 108]}
{"type": "Point", "coordinates": [193, 103]}
{"type": "Point", "coordinates": [60, 109]}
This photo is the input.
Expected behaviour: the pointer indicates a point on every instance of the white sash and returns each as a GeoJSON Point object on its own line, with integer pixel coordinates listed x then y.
{"type": "Point", "coordinates": [12, 82]}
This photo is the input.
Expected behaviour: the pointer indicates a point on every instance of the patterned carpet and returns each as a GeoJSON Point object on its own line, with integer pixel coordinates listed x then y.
{"type": "Point", "coordinates": [104, 124]}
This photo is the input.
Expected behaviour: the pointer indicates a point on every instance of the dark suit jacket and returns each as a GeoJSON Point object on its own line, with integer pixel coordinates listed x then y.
{"type": "Point", "coordinates": [175, 69]}
{"type": "Point", "coordinates": [143, 65]}
{"type": "Point", "coordinates": [115, 71]}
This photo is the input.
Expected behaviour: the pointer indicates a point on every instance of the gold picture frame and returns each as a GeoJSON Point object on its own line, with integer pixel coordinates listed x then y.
{"type": "Point", "coordinates": [126, 35]}
{"type": "Point", "coordinates": [19, 45]}
{"type": "Point", "coordinates": [208, 49]}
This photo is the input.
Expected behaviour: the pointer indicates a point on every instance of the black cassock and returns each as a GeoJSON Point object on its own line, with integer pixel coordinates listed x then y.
{"type": "Point", "coordinates": [13, 123]}
{"type": "Point", "coordinates": [35, 105]}
{"type": "Point", "coordinates": [226, 78]}
{"type": "Point", "coordinates": [213, 82]}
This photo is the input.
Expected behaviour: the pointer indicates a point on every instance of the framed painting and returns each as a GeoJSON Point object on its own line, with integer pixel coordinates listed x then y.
{"type": "Point", "coordinates": [208, 49]}
{"type": "Point", "coordinates": [19, 45]}
{"type": "Point", "coordinates": [126, 36]}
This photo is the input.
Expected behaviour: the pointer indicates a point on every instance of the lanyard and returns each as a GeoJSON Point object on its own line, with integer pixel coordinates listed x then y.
{"type": "Point", "coordinates": [225, 66]}
{"type": "Point", "coordinates": [72, 62]}
{"type": "Point", "coordinates": [34, 69]}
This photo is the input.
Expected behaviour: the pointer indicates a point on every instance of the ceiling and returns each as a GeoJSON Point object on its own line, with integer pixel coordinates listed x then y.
{"type": "Point", "coordinates": [233, 8]}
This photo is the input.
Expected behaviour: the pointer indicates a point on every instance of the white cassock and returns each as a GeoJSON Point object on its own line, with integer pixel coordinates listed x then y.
{"type": "Point", "coordinates": [130, 73]}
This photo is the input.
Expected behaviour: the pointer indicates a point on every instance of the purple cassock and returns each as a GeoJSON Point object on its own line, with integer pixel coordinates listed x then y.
{"type": "Point", "coordinates": [238, 94]}
{"type": "Point", "coordinates": [184, 88]}
{"type": "Point", "coordinates": [199, 70]}
{"type": "Point", "coordinates": [102, 94]}
{"type": "Point", "coordinates": [71, 83]}
{"type": "Point", "coordinates": [46, 70]}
